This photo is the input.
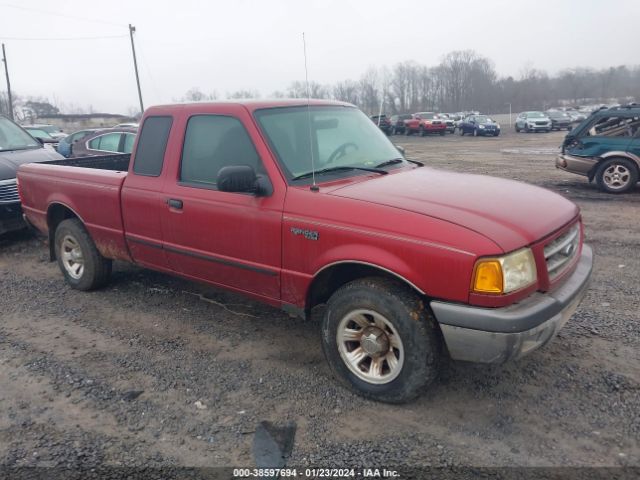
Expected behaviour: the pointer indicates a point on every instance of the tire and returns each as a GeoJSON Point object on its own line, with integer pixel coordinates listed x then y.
{"type": "Point", "coordinates": [82, 265]}
{"type": "Point", "coordinates": [407, 130]}
{"type": "Point", "coordinates": [617, 175]}
{"type": "Point", "coordinates": [461, 132]}
{"type": "Point", "coordinates": [404, 316]}
{"type": "Point", "coordinates": [443, 133]}
{"type": "Point", "coordinates": [392, 131]}
{"type": "Point", "coordinates": [526, 128]}
{"type": "Point", "coordinates": [421, 131]}
{"type": "Point", "coordinates": [517, 128]}
{"type": "Point", "coordinates": [569, 129]}
{"type": "Point", "coordinates": [475, 132]}
{"type": "Point", "coordinates": [496, 134]}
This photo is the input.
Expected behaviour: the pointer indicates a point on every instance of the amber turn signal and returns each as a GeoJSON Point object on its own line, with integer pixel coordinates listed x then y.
{"type": "Point", "coordinates": [488, 277]}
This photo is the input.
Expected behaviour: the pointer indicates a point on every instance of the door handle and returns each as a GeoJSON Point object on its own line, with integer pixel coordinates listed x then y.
{"type": "Point", "coordinates": [174, 203]}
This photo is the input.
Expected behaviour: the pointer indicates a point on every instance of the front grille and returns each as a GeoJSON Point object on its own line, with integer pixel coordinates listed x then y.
{"type": "Point", "coordinates": [9, 191]}
{"type": "Point", "coordinates": [561, 251]}
{"type": "Point", "coordinates": [436, 122]}
{"type": "Point", "coordinates": [541, 123]}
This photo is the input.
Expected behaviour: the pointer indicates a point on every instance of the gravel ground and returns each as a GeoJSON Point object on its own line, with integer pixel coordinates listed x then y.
{"type": "Point", "coordinates": [112, 377]}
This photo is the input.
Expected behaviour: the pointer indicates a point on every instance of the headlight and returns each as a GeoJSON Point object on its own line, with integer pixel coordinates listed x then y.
{"type": "Point", "coordinates": [505, 274]}
{"type": "Point", "coordinates": [481, 126]}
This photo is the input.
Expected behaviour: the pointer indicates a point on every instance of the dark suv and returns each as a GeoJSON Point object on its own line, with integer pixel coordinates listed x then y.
{"type": "Point", "coordinates": [605, 147]}
{"type": "Point", "coordinates": [383, 123]}
{"type": "Point", "coordinates": [16, 147]}
{"type": "Point", "coordinates": [397, 123]}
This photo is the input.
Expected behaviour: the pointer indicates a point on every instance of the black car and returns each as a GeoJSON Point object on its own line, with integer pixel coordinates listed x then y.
{"type": "Point", "coordinates": [16, 147]}
{"type": "Point", "coordinates": [560, 120]}
{"type": "Point", "coordinates": [383, 123]}
{"type": "Point", "coordinates": [397, 123]}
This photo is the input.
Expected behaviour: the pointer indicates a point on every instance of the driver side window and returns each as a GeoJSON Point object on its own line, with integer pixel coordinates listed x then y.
{"type": "Point", "coordinates": [615, 126]}
{"type": "Point", "coordinates": [211, 143]}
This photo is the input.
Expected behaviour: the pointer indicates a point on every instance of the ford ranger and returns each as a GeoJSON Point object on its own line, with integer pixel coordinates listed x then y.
{"type": "Point", "coordinates": [303, 205]}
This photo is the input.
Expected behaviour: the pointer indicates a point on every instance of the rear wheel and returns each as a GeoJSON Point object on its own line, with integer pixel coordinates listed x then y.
{"type": "Point", "coordinates": [517, 128]}
{"type": "Point", "coordinates": [461, 131]}
{"type": "Point", "coordinates": [82, 265]}
{"type": "Point", "coordinates": [617, 175]}
{"type": "Point", "coordinates": [380, 341]}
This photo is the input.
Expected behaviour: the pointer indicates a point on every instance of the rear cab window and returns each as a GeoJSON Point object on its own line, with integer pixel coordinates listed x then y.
{"type": "Point", "coordinates": [149, 156]}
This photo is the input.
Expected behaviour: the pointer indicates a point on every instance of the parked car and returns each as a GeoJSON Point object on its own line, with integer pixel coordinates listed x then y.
{"type": "Point", "coordinates": [382, 122]}
{"type": "Point", "coordinates": [424, 123]}
{"type": "Point", "coordinates": [533, 122]}
{"type": "Point", "coordinates": [397, 123]}
{"type": "Point", "coordinates": [559, 120]}
{"type": "Point", "coordinates": [606, 148]}
{"type": "Point", "coordinates": [410, 269]}
{"type": "Point", "coordinates": [65, 146]}
{"type": "Point", "coordinates": [477, 125]}
{"type": "Point", "coordinates": [448, 121]}
{"type": "Point", "coordinates": [108, 140]}
{"type": "Point", "coordinates": [44, 137]}
{"type": "Point", "coordinates": [16, 147]}
{"type": "Point", "coordinates": [576, 116]}
{"type": "Point", "coordinates": [52, 130]}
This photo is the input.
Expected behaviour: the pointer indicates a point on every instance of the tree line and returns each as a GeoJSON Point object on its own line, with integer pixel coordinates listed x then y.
{"type": "Point", "coordinates": [463, 80]}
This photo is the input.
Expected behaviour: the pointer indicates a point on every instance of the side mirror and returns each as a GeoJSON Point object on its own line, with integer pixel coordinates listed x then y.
{"type": "Point", "coordinates": [243, 179]}
{"type": "Point", "coordinates": [400, 149]}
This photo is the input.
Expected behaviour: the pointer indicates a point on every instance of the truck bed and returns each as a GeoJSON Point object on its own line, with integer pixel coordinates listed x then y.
{"type": "Point", "coordinates": [87, 186]}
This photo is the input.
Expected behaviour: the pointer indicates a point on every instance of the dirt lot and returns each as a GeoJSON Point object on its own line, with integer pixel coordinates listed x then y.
{"type": "Point", "coordinates": [71, 363]}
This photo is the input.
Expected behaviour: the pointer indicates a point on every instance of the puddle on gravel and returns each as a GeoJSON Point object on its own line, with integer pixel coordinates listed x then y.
{"type": "Point", "coordinates": [531, 151]}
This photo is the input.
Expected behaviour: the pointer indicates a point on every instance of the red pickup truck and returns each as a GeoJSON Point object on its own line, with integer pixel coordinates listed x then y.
{"type": "Point", "coordinates": [425, 123]}
{"type": "Point", "coordinates": [304, 206]}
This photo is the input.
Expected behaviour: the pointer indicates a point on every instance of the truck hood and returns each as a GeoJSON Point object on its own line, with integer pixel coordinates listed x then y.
{"type": "Point", "coordinates": [511, 214]}
{"type": "Point", "coordinates": [12, 159]}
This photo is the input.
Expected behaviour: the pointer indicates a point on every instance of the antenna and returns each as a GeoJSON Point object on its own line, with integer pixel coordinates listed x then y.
{"type": "Point", "coordinates": [314, 187]}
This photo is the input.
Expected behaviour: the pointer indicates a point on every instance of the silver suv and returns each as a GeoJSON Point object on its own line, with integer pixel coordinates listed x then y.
{"type": "Point", "coordinates": [533, 122]}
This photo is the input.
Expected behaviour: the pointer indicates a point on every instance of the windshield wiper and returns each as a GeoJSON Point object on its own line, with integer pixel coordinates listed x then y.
{"type": "Point", "coordinates": [337, 169]}
{"type": "Point", "coordinates": [386, 163]}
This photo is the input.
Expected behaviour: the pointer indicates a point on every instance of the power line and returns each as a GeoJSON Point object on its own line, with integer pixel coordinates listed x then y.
{"type": "Point", "coordinates": [28, 39]}
{"type": "Point", "coordinates": [57, 14]}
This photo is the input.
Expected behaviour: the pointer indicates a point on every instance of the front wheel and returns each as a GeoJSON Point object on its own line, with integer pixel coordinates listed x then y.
{"type": "Point", "coordinates": [517, 128]}
{"type": "Point", "coordinates": [461, 131]}
{"type": "Point", "coordinates": [380, 341]}
{"type": "Point", "coordinates": [407, 131]}
{"type": "Point", "coordinates": [421, 130]}
{"type": "Point", "coordinates": [475, 132]}
{"type": "Point", "coordinates": [617, 175]}
{"type": "Point", "coordinates": [82, 265]}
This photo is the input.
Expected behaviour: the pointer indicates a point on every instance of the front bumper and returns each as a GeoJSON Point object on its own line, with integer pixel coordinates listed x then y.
{"type": "Point", "coordinates": [486, 335]}
{"type": "Point", "coordinates": [11, 217]}
{"type": "Point", "coordinates": [574, 164]}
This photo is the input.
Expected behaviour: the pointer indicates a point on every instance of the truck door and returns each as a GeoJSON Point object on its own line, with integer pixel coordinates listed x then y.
{"type": "Point", "coordinates": [229, 239]}
{"type": "Point", "coordinates": [142, 197]}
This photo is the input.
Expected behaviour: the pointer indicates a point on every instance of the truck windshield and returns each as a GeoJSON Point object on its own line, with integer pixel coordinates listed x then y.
{"type": "Point", "coordinates": [13, 137]}
{"type": "Point", "coordinates": [340, 137]}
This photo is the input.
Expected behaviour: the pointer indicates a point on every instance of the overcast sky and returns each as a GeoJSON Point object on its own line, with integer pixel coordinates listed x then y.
{"type": "Point", "coordinates": [257, 45]}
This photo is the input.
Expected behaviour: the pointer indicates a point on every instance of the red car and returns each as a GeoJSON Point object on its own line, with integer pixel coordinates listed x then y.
{"type": "Point", "coordinates": [425, 123]}
{"type": "Point", "coordinates": [410, 263]}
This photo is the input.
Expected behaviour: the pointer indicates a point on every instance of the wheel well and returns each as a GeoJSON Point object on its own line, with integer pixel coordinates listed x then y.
{"type": "Point", "coordinates": [332, 278]}
{"type": "Point", "coordinates": [56, 214]}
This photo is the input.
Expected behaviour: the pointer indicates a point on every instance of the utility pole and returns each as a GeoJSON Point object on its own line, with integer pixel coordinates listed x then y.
{"type": "Point", "coordinates": [132, 29]}
{"type": "Point", "coordinates": [6, 72]}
